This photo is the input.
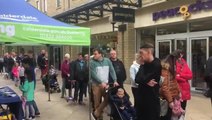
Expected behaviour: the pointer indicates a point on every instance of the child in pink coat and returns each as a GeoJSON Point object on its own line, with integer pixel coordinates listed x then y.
{"type": "Point", "coordinates": [15, 72]}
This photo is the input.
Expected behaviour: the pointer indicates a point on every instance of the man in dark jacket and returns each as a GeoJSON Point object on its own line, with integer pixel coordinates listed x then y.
{"type": "Point", "coordinates": [41, 62]}
{"type": "Point", "coordinates": [86, 58]}
{"type": "Point", "coordinates": [6, 57]}
{"type": "Point", "coordinates": [208, 76]}
{"type": "Point", "coordinates": [78, 73]}
{"type": "Point", "coordinates": [118, 67]}
{"type": "Point", "coordinates": [148, 78]}
{"type": "Point", "coordinates": [10, 64]}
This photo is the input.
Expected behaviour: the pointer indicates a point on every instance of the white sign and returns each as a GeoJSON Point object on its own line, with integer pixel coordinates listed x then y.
{"type": "Point", "coordinates": [18, 18]}
{"type": "Point", "coordinates": [9, 30]}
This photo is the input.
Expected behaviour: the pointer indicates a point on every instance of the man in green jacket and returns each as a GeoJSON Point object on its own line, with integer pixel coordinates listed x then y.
{"type": "Point", "coordinates": [100, 68]}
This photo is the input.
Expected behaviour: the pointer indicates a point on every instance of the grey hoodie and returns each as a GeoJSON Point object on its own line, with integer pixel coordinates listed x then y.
{"type": "Point", "coordinates": [100, 71]}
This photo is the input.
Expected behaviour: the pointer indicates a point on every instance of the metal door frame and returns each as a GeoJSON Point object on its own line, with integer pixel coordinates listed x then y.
{"type": "Point", "coordinates": [190, 51]}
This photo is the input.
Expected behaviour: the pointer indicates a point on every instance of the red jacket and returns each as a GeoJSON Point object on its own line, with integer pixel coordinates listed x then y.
{"type": "Point", "coordinates": [65, 70]}
{"type": "Point", "coordinates": [15, 71]}
{"type": "Point", "coordinates": [183, 75]}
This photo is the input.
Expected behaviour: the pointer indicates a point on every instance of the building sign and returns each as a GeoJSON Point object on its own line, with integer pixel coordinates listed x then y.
{"type": "Point", "coordinates": [185, 10]}
{"type": "Point", "coordinates": [123, 15]}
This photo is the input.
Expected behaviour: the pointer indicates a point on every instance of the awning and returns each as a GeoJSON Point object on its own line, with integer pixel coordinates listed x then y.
{"type": "Point", "coordinates": [96, 8]}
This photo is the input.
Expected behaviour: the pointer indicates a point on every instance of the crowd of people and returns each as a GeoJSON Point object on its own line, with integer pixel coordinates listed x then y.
{"type": "Point", "coordinates": [160, 88]}
{"type": "Point", "coordinates": [21, 70]}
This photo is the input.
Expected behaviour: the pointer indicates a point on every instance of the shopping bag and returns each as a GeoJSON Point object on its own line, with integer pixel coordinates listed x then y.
{"type": "Point", "coordinates": [182, 117]}
{"type": "Point", "coordinates": [164, 106]}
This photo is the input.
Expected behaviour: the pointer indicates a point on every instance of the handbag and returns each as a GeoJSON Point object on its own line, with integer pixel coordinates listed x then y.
{"type": "Point", "coordinates": [68, 84]}
{"type": "Point", "coordinates": [182, 117]}
{"type": "Point", "coordinates": [164, 106]}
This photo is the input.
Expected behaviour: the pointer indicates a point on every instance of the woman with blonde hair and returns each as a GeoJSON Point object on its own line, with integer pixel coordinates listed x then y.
{"type": "Point", "coordinates": [133, 71]}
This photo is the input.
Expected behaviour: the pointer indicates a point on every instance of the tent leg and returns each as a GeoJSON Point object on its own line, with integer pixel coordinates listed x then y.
{"type": "Point", "coordinates": [49, 94]}
{"type": "Point", "coordinates": [89, 87]}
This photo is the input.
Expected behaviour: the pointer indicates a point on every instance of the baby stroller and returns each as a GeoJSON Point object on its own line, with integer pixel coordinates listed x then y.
{"type": "Point", "coordinates": [54, 85]}
{"type": "Point", "coordinates": [115, 113]}
{"type": "Point", "coordinates": [50, 80]}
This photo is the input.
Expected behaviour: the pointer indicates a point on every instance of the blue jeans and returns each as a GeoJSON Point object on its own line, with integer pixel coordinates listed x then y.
{"type": "Point", "coordinates": [29, 109]}
{"type": "Point", "coordinates": [35, 107]}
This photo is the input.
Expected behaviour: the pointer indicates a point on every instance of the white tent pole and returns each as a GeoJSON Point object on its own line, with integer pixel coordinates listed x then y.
{"type": "Point", "coordinates": [48, 77]}
{"type": "Point", "coordinates": [90, 85]}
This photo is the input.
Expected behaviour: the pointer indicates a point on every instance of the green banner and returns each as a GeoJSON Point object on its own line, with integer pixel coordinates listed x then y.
{"type": "Point", "coordinates": [41, 34]}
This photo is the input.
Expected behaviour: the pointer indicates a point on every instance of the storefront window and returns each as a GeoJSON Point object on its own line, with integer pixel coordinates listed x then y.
{"type": "Point", "coordinates": [105, 42]}
{"type": "Point", "coordinates": [147, 36]}
{"type": "Point", "coordinates": [200, 26]}
{"type": "Point", "coordinates": [172, 29]}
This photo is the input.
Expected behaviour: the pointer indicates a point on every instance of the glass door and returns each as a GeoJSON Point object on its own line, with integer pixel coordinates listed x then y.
{"type": "Point", "coordinates": [198, 60]}
{"type": "Point", "coordinates": [164, 48]}
{"type": "Point", "coordinates": [57, 57]}
{"type": "Point", "coordinates": [182, 45]}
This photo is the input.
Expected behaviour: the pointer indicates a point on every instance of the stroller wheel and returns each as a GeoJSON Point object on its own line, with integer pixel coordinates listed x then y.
{"type": "Point", "coordinates": [58, 91]}
{"type": "Point", "coordinates": [51, 91]}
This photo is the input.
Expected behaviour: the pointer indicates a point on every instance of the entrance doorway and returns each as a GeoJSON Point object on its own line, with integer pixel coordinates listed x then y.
{"type": "Point", "coordinates": [55, 55]}
{"type": "Point", "coordinates": [182, 45]}
{"type": "Point", "coordinates": [164, 48]}
{"type": "Point", "coordinates": [198, 56]}
{"type": "Point", "coordinates": [196, 52]}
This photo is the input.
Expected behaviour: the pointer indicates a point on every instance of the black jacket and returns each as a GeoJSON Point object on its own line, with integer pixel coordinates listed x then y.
{"type": "Point", "coordinates": [120, 71]}
{"type": "Point", "coordinates": [149, 102]}
{"type": "Point", "coordinates": [78, 72]}
{"type": "Point", "coordinates": [208, 75]}
{"type": "Point", "coordinates": [41, 61]}
{"type": "Point", "coordinates": [10, 63]}
{"type": "Point", "coordinates": [121, 102]}
{"type": "Point", "coordinates": [30, 61]}
{"type": "Point", "coordinates": [5, 62]}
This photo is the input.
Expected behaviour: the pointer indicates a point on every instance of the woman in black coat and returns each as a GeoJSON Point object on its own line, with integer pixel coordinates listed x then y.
{"type": "Point", "coordinates": [208, 76]}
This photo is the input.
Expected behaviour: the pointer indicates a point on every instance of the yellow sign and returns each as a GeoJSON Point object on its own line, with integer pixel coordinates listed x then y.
{"type": "Point", "coordinates": [184, 11]}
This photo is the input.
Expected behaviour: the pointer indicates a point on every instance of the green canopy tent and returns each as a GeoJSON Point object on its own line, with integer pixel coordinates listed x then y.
{"type": "Point", "coordinates": [22, 24]}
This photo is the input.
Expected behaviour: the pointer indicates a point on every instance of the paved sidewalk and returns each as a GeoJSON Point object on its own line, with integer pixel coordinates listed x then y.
{"type": "Point", "coordinates": [199, 107]}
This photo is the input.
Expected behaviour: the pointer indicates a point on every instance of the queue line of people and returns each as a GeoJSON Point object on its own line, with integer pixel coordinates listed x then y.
{"type": "Point", "coordinates": [153, 80]}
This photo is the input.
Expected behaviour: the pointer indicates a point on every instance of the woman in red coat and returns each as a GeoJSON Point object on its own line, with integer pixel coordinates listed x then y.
{"type": "Point", "coordinates": [183, 75]}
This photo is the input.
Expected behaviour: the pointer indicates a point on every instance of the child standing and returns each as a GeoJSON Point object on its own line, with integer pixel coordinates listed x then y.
{"type": "Point", "coordinates": [21, 74]}
{"type": "Point", "coordinates": [15, 73]}
{"type": "Point", "coordinates": [177, 110]}
{"type": "Point", "coordinates": [28, 93]}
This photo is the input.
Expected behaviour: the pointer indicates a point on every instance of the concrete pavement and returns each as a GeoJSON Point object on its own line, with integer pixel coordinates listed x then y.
{"type": "Point", "coordinates": [199, 107]}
